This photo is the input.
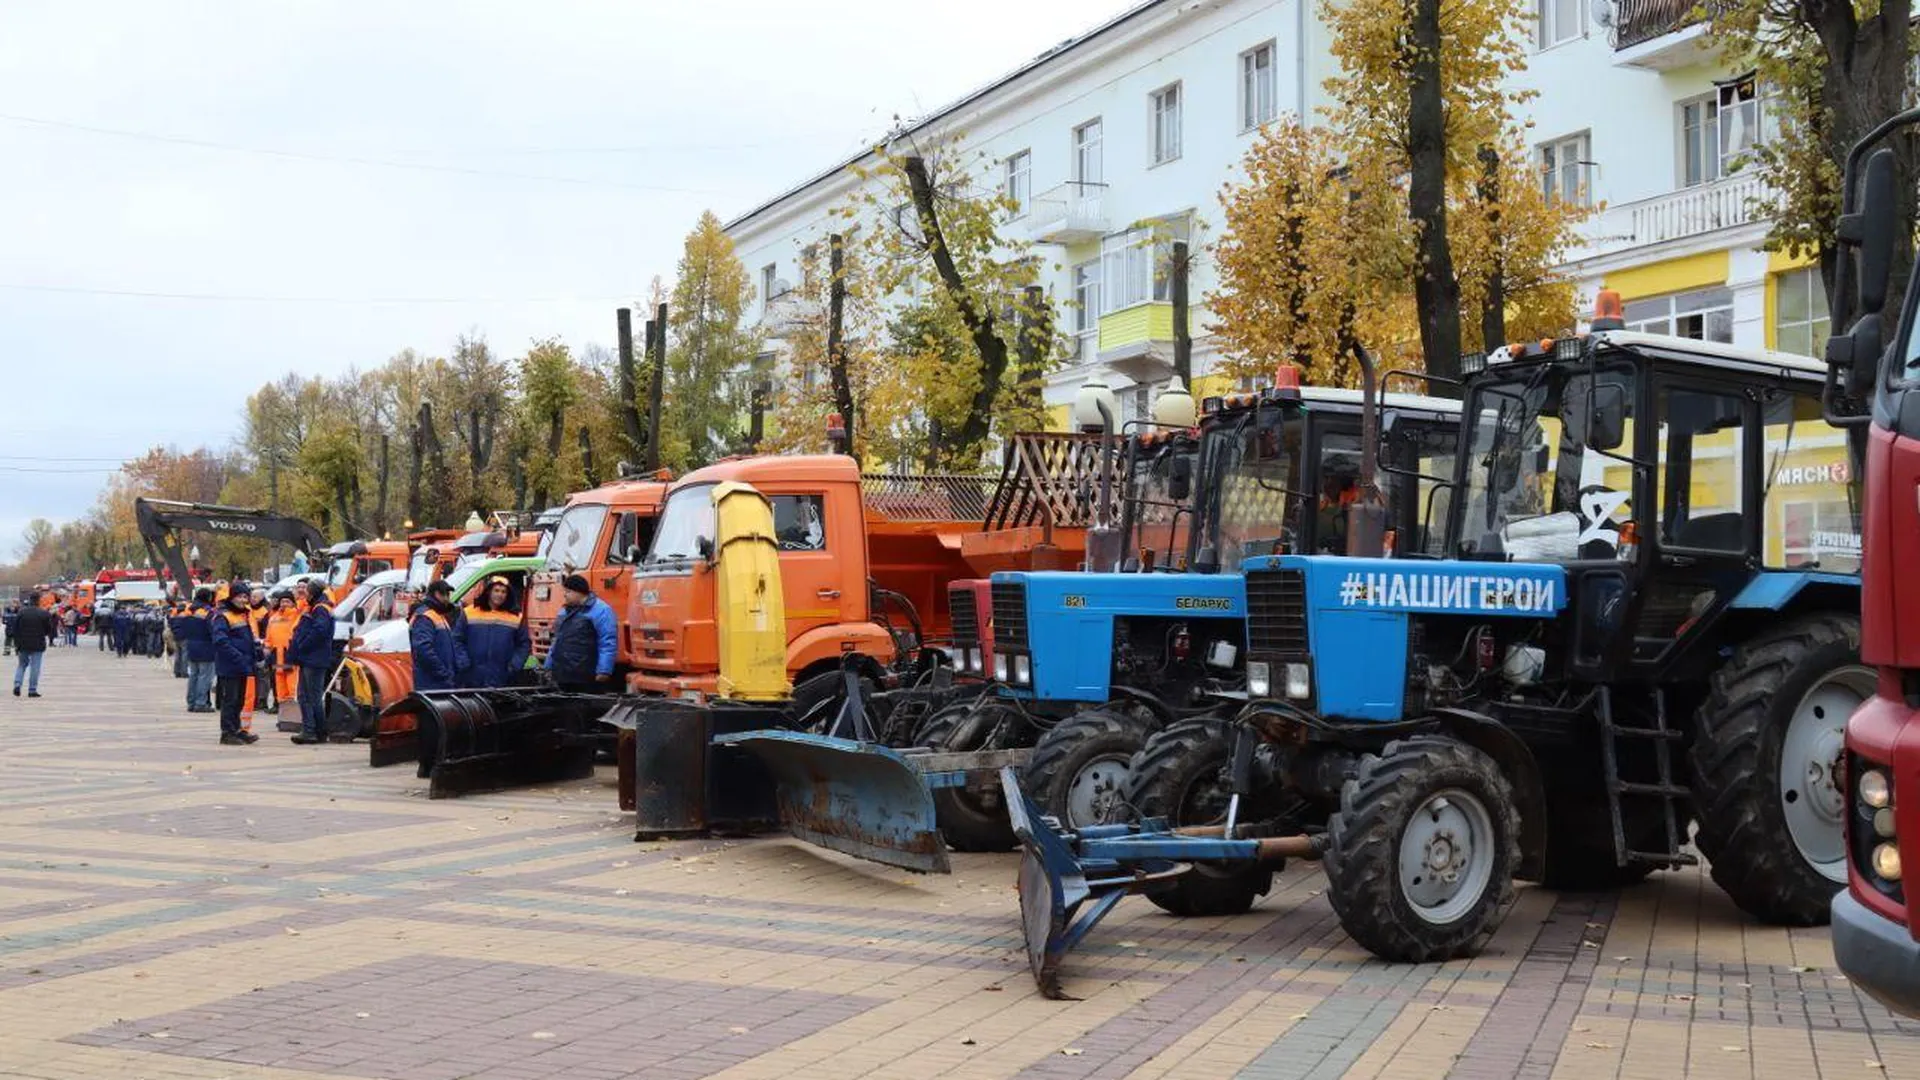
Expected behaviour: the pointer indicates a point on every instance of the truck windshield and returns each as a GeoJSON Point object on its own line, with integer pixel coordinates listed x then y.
{"type": "Point", "coordinates": [1536, 488]}
{"type": "Point", "coordinates": [1161, 524]}
{"type": "Point", "coordinates": [685, 521]}
{"type": "Point", "coordinates": [1247, 462]}
{"type": "Point", "coordinates": [576, 537]}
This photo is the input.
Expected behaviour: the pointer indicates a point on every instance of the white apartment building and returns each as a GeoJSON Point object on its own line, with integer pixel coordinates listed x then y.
{"type": "Point", "coordinates": [1117, 140]}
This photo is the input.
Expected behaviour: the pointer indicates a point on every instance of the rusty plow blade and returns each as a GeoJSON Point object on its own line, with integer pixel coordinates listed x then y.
{"type": "Point", "coordinates": [861, 798]}
{"type": "Point", "coordinates": [487, 740]}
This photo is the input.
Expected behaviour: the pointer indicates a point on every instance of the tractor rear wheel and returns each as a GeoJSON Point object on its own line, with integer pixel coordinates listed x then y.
{"type": "Point", "coordinates": [1768, 763]}
{"type": "Point", "coordinates": [974, 818]}
{"type": "Point", "coordinates": [1420, 858]}
{"type": "Point", "coordinates": [1080, 765]}
{"type": "Point", "coordinates": [1183, 774]}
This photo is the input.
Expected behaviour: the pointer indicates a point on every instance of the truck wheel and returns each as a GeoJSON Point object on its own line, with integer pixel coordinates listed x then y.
{"type": "Point", "coordinates": [1182, 775]}
{"type": "Point", "coordinates": [1420, 858]}
{"type": "Point", "coordinates": [1767, 768]}
{"type": "Point", "coordinates": [973, 818]}
{"type": "Point", "coordinates": [1078, 768]}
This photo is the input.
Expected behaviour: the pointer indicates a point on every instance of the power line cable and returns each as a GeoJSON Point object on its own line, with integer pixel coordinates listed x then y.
{"type": "Point", "coordinates": [148, 294]}
{"type": "Point", "coordinates": [300, 155]}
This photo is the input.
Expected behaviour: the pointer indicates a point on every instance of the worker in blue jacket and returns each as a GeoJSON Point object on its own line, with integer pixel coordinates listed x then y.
{"type": "Point", "coordinates": [235, 655]}
{"type": "Point", "coordinates": [434, 634]}
{"type": "Point", "coordinates": [584, 640]}
{"type": "Point", "coordinates": [193, 636]}
{"type": "Point", "coordinates": [311, 651]}
{"type": "Point", "coordinates": [497, 641]}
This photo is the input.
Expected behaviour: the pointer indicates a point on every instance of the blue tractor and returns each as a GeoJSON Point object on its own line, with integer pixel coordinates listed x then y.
{"type": "Point", "coordinates": [1641, 616]}
{"type": "Point", "coordinates": [1101, 661]}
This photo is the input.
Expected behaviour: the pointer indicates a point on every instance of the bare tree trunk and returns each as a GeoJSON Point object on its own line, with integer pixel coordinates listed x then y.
{"type": "Point", "coordinates": [555, 433]}
{"type": "Point", "coordinates": [1182, 334]}
{"type": "Point", "coordinates": [629, 388]}
{"type": "Point", "coordinates": [416, 439]}
{"type": "Point", "coordinates": [657, 385]}
{"type": "Point", "coordinates": [836, 341]}
{"type": "Point", "coordinates": [979, 319]}
{"type": "Point", "coordinates": [1436, 291]}
{"type": "Point", "coordinates": [382, 521]}
{"type": "Point", "coordinates": [1493, 308]}
{"type": "Point", "coordinates": [1035, 340]}
{"type": "Point", "coordinates": [1866, 80]}
{"type": "Point", "coordinates": [587, 471]}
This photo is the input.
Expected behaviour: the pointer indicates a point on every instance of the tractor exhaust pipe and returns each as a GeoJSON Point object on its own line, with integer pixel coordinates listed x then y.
{"type": "Point", "coordinates": [1367, 517]}
{"type": "Point", "coordinates": [1103, 539]}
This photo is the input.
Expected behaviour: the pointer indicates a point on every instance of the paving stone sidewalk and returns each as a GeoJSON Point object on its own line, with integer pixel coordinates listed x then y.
{"type": "Point", "coordinates": [170, 907]}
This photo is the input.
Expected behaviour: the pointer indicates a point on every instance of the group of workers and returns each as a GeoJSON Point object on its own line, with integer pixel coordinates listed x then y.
{"type": "Point", "coordinates": [223, 649]}
{"type": "Point", "coordinates": [486, 644]}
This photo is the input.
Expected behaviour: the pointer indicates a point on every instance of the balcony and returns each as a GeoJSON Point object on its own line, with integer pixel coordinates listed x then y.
{"type": "Point", "coordinates": [1137, 341]}
{"type": "Point", "coordinates": [1677, 215]}
{"type": "Point", "coordinates": [1069, 213]}
{"type": "Point", "coordinates": [786, 313]}
{"type": "Point", "coordinates": [1661, 35]}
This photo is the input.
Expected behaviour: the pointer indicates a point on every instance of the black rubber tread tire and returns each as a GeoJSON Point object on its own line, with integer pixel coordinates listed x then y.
{"type": "Point", "coordinates": [1069, 746]}
{"type": "Point", "coordinates": [812, 691]}
{"type": "Point", "coordinates": [966, 825]}
{"type": "Point", "coordinates": [1363, 847]}
{"type": "Point", "coordinates": [1735, 762]}
{"type": "Point", "coordinates": [1173, 759]}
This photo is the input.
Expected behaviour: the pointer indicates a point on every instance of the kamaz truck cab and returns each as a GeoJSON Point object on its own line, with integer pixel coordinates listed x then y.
{"type": "Point", "coordinates": [1631, 625]}
{"type": "Point", "coordinates": [1101, 661]}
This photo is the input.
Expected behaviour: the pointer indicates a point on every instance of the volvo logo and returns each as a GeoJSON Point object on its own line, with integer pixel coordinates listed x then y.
{"type": "Point", "coordinates": [234, 526]}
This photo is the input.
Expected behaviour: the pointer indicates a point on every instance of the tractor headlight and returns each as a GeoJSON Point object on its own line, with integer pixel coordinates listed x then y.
{"type": "Point", "coordinates": [1886, 861]}
{"type": "Point", "coordinates": [1299, 682]}
{"type": "Point", "coordinates": [1000, 668]}
{"type": "Point", "coordinates": [1259, 679]}
{"type": "Point", "coordinates": [1875, 790]}
{"type": "Point", "coordinates": [1883, 824]}
{"type": "Point", "coordinates": [1022, 670]}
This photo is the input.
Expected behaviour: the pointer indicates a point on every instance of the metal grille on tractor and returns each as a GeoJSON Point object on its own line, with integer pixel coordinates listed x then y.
{"type": "Point", "coordinates": [1277, 614]}
{"type": "Point", "coordinates": [966, 615]}
{"type": "Point", "coordinates": [1009, 616]}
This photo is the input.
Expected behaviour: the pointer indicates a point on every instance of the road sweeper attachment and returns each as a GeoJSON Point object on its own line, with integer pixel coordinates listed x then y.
{"type": "Point", "coordinates": [485, 740]}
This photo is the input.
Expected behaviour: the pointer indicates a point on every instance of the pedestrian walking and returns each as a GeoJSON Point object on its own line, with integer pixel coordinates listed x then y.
{"type": "Point", "coordinates": [193, 635]}
{"type": "Point", "coordinates": [122, 630]}
{"type": "Point", "coordinates": [496, 640]}
{"type": "Point", "coordinates": [438, 656]}
{"type": "Point", "coordinates": [175, 647]}
{"type": "Point", "coordinates": [11, 615]}
{"type": "Point", "coordinates": [583, 649]}
{"type": "Point", "coordinates": [33, 631]}
{"type": "Point", "coordinates": [70, 624]}
{"type": "Point", "coordinates": [310, 650]}
{"type": "Point", "coordinates": [236, 655]}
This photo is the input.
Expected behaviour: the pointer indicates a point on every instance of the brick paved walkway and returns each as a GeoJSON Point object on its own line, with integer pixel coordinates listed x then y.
{"type": "Point", "coordinates": [174, 908]}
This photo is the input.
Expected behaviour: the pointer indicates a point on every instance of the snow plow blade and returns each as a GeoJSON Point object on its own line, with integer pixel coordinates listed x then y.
{"type": "Point", "coordinates": [861, 798]}
{"type": "Point", "coordinates": [486, 740]}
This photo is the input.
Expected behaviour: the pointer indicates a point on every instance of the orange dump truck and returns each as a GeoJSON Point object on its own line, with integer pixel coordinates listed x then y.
{"type": "Point", "coordinates": [355, 561]}
{"type": "Point", "coordinates": [602, 535]}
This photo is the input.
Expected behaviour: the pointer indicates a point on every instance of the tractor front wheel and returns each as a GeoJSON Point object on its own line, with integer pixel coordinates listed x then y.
{"type": "Point", "coordinates": [1420, 858]}
{"type": "Point", "coordinates": [973, 818]}
{"type": "Point", "coordinates": [1079, 766]}
{"type": "Point", "coordinates": [1183, 774]}
{"type": "Point", "coordinates": [1768, 762]}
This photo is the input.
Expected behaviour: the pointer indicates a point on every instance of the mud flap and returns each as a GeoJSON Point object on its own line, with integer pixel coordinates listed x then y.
{"type": "Point", "coordinates": [396, 734]}
{"type": "Point", "coordinates": [860, 798]}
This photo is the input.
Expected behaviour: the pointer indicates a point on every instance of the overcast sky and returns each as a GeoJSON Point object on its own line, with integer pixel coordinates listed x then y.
{"type": "Point", "coordinates": [289, 182]}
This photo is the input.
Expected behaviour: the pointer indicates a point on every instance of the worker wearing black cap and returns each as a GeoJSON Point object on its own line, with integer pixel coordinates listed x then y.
{"type": "Point", "coordinates": [434, 634]}
{"type": "Point", "coordinates": [584, 640]}
{"type": "Point", "coordinates": [235, 655]}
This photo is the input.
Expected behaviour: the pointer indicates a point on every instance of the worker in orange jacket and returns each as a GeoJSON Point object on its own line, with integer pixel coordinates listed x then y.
{"type": "Point", "coordinates": [280, 623]}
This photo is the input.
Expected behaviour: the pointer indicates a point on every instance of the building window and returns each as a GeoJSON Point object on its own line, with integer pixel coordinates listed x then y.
{"type": "Point", "coordinates": [1560, 21]}
{"type": "Point", "coordinates": [768, 280]}
{"type": "Point", "coordinates": [1563, 169]}
{"type": "Point", "coordinates": [1745, 119]}
{"type": "Point", "coordinates": [1257, 103]}
{"type": "Point", "coordinates": [1703, 315]}
{"type": "Point", "coordinates": [1086, 301]}
{"type": "Point", "coordinates": [1800, 312]}
{"type": "Point", "coordinates": [1134, 266]}
{"type": "Point", "coordinates": [1166, 124]}
{"type": "Point", "coordinates": [1088, 166]}
{"type": "Point", "coordinates": [1699, 140]}
{"type": "Point", "coordinates": [1018, 182]}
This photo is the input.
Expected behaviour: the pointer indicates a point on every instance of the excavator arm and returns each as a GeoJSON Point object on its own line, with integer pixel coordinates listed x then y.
{"type": "Point", "coordinates": [161, 521]}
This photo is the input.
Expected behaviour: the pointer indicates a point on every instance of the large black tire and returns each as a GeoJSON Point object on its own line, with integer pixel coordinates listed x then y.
{"type": "Point", "coordinates": [1738, 787]}
{"type": "Point", "coordinates": [973, 818]}
{"type": "Point", "coordinates": [1182, 775]}
{"type": "Point", "coordinates": [815, 701]}
{"type": "Point", "coordinates": [1363, 860]}
{"type": "Point", "coordinates": [1079, 766]}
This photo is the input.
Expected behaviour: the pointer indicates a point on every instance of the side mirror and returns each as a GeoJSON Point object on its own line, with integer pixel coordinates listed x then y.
{"type": "Point", "coordinates": [1180, 480]}
{"type": "Point", "coordinates": [1607, 417]}
{"type": "Point", "coordinates": [1877, 229]}
{"type": "Point", "coordinates": [705, 547]}
{"type": "Point", "coordinates": [360, 616]}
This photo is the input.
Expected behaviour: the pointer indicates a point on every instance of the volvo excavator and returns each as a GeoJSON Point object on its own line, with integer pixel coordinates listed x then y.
{"type": "Point", "coordinates": [161, 521]}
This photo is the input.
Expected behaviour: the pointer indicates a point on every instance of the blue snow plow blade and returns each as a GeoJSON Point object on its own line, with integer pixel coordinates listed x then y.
{"type": "Point", "coordinates": [1069, 881]}
{"type": "Point", "coordinates": [861, 798]}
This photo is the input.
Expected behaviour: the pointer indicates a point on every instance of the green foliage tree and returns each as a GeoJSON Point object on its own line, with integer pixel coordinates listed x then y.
{"type": "Point", "coordinates": [710, 349]}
